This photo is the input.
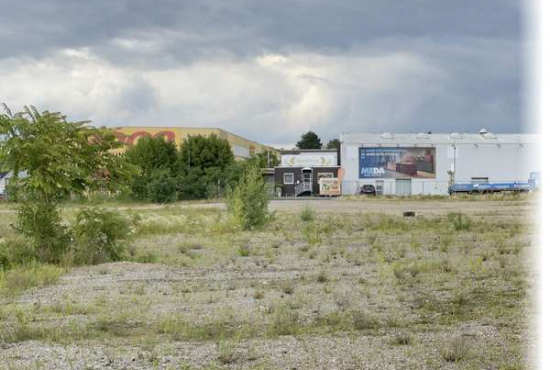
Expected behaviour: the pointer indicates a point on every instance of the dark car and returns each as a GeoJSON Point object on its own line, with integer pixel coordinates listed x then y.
{"type": "Point", "coordinates": [367, 189]}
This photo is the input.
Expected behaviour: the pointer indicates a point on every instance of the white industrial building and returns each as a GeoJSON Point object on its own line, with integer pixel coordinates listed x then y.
{"type": "Point", "coordinates": [415, 164]}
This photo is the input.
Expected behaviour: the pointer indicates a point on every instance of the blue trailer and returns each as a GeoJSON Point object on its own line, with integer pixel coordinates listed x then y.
{"type": "Point", "coordinates": [516, 186]}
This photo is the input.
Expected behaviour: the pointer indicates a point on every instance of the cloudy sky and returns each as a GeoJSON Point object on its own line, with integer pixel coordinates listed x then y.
{"type": "Point", "coordinates": [269, 70]}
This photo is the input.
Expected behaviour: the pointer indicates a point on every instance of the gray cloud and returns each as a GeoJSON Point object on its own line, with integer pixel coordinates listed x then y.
{"type": "Point", "coordinates": [269, 70]}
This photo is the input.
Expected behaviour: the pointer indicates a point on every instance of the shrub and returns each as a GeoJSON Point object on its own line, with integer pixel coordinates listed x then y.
{"type": "Point", "coordinates": [361, 321]}
{"type": "Point", "coordinates": [99, 235]}
{"type": "Point", "coordinates": [244, 251]}
{"type": "Point", "coordinates": [15, 251]}
{"type": "Point", "coordinates": [459, 220]}
{"type": "Point", "coordinates": [311, 233]}
{"type": "Point", "coordinates": [285, 321]}
{"type": "Point", "coordinates": [457, 350]}
{"type": "Point", "coordinates": [41, 223]}
{"type": "Point", "coordinates": [162, 187]}
{"type": "Point", "coordinates": [247, 202]}
{"type": "Point", "coordinates": [402, 339]}
{"type": "Point", "coordinates": [306, 214]}
{"type": "Point", "coordinates": [322, 277]}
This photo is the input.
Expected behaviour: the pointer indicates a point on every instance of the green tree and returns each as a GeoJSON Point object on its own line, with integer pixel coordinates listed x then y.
{"type": "Point", "coordinates": [204, 165]}
{"type": "Point", "coordinates": [247, 202]}
{"type": "Point", "coordinates": [309, 140]}
{"type": "Point", "coordinates": [333, 144]}
{"type": "Point", "coordinates": [262, 159]}
{"type": "Point", "coordinates": [60, 158]}
{"type": "Point", "coordinates": [153, 156]}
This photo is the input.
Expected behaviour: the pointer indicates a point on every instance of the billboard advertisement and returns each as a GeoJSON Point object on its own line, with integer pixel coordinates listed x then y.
{"type": "Point", "coordinates": [329, 186]}
{"type": "Point", "coordinates": [397, 163]}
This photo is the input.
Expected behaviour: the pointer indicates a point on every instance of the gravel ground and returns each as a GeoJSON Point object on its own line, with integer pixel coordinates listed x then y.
{"type": "Point", "coordinates": [119, 307]}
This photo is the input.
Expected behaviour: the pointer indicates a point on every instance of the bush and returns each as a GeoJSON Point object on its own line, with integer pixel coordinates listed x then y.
{"type": "Point", "coordinates": [247, 202]}
{"type": "Point", "coordinates": [162, 187]}
{"type": "Point", "coordinates": [459, 220]}
{"type": "Point", "coordinates": [457, 350]}
{"type": "Point", "coordinates": [306, 214]}
{"type": "Point", "coordinates": [362, 321]}
{"type": "Point", "coordinates": [99, 235]}
{"type": "Point", "coordinates": [15, 251]}
{"type": "Point", "coordinates": [41, 223]}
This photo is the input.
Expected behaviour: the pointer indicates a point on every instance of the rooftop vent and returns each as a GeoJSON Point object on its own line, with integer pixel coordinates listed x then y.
{"type": "Point", "coordinates": [455, 135]}
{"type": "Point", "coordinates": [387, 135]}
{"type": "Point", "coordinates": [422, 135]}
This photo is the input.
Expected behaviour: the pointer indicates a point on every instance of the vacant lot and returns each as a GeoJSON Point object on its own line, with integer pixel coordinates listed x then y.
{"type": "Point", "coordinates": [345, 284]}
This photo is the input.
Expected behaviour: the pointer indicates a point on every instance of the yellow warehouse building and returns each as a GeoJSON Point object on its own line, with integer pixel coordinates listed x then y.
{"type": "Point", "coordinates": [241, 147]}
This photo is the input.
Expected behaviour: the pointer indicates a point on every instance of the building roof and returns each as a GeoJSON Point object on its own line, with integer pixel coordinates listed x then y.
{"type": "Point", "coordinates": [298, 151]}
{"type": "Point", "coordinates": [432, 139]}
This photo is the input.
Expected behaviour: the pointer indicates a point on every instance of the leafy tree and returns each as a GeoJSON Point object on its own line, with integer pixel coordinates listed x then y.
{"type": "Point", "coordinates": [309, 140]}
{"type": "Point", "coordinates": [204, 166]}
{"type": "Point", "coordinates": [163, 187]}
{"type": "Point", "coordinates": [333, 144]}
{"type": "Point", "coordinates": [262, 159]}
{"type": "Point", "coordinates": [247, 202]}
{"type": "Point", "coordinates": [61, 158]}
{"type": "Point", "coordinates": [152, 155]}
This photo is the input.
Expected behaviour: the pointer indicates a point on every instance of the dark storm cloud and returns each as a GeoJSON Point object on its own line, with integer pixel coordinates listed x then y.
{"type": "Point", "coordinates": [241, 27]}
{"type": "Point", "coordinates": [354, 65]}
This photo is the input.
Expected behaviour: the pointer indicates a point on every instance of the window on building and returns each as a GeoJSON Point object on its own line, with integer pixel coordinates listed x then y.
{"type": "Point", "coordinates": [288, 179]}
{"type": "Point", "coordinates": [321, 175]}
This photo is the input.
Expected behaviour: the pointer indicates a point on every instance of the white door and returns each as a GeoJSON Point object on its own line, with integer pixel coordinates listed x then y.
{"type": "Point", "coordinates": [403, 187]}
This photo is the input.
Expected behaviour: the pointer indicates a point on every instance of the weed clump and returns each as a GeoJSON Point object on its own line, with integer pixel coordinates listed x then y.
{"type": "Point", "coordinates": [307, 214]}
{"type": "Point", "coordinates": [459, 221]}
{"type": "Point", "coordinates": [457, 350]}
{"type": "Point", "coordinates": [362, 321]}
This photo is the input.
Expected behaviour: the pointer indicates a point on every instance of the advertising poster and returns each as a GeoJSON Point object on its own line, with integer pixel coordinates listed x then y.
{"type": "Point", "coordinates": [397, 163]}
{"type": "Point", "coordinates": [329, 186]}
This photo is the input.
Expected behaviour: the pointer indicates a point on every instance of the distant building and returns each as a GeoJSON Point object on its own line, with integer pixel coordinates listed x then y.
{"type": "Point", "coordinates": [241, 147]}
{"type": "Point", "coordinates": [413, 164]}
{"type": "Point", "coordinates": [300, 171]}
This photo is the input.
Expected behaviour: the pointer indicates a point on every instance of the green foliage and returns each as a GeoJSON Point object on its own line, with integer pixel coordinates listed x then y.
{"type": "Point", "coordinates": [307, 214]}
{"type": "Point", "coordinates": [60, 158]}
{"type": "Point", "coordinates": [457, 350]}
{"type": "Point", "coordinates": [162, 188]}
{"type": "Point", "coordinates": [15, 251]}
{"type": "Point", "coordinates": [262, 159]}
{"type": "Point", "coordinates": [459, 220]}
{"type": "Point", "coordinates": [247, 202]}
{"type": "Point", "coordinates": [333, 144]}
{"type": "Point", "coordinates": [153, 156]}
{"type": "Point", "coordinates": [41, 223]}
{"type": "Point", "coordinates": [29, 276]}
{"type": "Point", "coordinates": [204, 165]}
{"type": "Point", "coordinates": [99, 236]}
{"type": "Point", "coordinates": [309, 140]}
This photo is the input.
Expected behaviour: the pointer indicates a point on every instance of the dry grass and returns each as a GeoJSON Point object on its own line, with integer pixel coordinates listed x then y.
{"type": "Point", "coordinates": [402, 283]}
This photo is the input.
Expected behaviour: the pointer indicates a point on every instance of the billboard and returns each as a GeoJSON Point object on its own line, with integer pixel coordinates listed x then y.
{"type": "Point", "coordinates": [329, 186]}
{"type": "Point", "coordinates": [397, 163]}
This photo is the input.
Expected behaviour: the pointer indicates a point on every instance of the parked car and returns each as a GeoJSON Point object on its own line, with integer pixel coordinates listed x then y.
{"type": "Point", "coordinates": [367, 189]}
